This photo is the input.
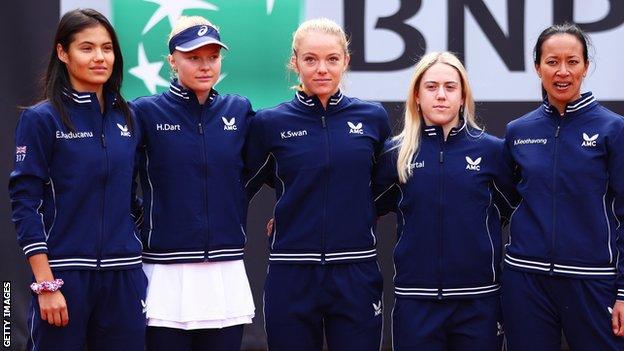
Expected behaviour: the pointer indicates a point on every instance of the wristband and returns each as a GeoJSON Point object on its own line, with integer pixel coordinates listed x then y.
{"type": "Point", "coordinates": [50, 286]}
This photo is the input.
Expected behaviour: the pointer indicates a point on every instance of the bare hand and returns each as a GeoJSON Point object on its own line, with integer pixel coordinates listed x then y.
{"type": "Point", "coordinates": [53, 308]}
{"type": "Point", "coordinates": [269, 226]}
{"type": "Point", "coordinates": [617, 318]}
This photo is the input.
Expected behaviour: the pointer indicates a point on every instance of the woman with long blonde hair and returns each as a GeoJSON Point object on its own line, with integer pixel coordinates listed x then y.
{"type": "Point", "coordinates": [442, 176]}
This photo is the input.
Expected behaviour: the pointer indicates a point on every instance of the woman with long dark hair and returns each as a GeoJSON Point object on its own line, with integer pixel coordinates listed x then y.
{"type": "Point", "coordinates": [71, 196]}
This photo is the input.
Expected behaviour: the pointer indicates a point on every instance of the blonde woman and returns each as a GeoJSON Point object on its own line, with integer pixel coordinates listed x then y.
{"type": "Point", "coordinates": [319, 150]}
{"type": "Point", "coordinates": [442, 176]}
{"type": "Point", "coordinates": [194, 204]}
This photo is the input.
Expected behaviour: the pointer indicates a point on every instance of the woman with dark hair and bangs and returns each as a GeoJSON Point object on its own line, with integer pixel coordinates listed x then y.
{"type": "Point", "coordinates": [71, 195]}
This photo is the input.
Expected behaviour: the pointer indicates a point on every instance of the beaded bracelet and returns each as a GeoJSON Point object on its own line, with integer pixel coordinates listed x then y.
{"type": "Point", "coordinates": [51, 286]}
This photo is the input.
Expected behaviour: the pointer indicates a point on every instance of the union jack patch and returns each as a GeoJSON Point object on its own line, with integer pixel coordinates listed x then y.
{"type": "Point", "coordinates": [20, 150]}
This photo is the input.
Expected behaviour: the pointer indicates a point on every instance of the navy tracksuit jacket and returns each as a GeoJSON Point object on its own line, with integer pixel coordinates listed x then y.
{"type": "Point", "coordinates": [191, 174]}
{"type": "Point", "coordinates": [448, 251]}
{"type": "Point", "coordinates": [322, 163]}
{"type": "Point", "coordinates": [563, 261]}
{"type": "Point", "coordinates": [448, 213]}
{"type": "Point", "coordinates": [71, 197]}
{"type": "Point", "coordinates": [70, 191]}
{"type": "Point", "coordinates": [323, 278]}
{"type": "Point", "coordinates": [571, 182]}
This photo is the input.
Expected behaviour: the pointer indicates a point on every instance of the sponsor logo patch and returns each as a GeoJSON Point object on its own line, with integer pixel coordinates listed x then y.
{"type": "Point", "coordinates": [589, 141]}
{"type": "Point", "coordinates": [377, 308]}
{"type": "Point", "coordinates": [355, 128]}
{"type": "Point", "coordinates": [124, 130]}
{"type": "Point", "coordinates": [229, 124]}
{"type": "Point", "coordinates": [473, 165]}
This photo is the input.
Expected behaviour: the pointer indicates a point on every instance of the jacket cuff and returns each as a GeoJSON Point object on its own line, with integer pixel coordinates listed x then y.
{"type": "Point", "coordinates": [35, 248]}
{"type": "Point", "coordinates": [620, 294]}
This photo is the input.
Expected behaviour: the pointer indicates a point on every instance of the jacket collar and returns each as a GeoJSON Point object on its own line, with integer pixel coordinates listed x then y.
{"type": "Point", "coordinates": [186, 96]}
{"type": "Point", "coordinates": [313, 103]}
{"type": "Point", "coordinates": [88, 99]}
{"type": "Point", "coordinates": [583, 103]}
{"type": "Point", "coordinates": [437, 131]}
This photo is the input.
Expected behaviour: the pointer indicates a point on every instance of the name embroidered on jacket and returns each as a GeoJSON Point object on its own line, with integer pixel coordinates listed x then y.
{"type": "Point", "coordinates": [290, 133]}
{"type": "Point", "coordinates": [229, 124]}
{"type": "Point", "coordinates": [530, 141]}
{"type": "Point", "coordinates": [166, 126]}
{"type": "Point", "coordinates": [589, 141]}
{"type": "Point", "coordinates": [417, 164]}
{"type": "Point", "coordinates": [73, 135]}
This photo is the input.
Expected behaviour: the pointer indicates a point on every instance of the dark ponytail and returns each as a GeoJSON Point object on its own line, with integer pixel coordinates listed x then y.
{"type": "Point", "coordinates": [555, 29]}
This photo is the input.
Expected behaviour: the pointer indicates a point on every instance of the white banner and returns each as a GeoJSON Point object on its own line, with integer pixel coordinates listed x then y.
{"type": "Point", "coordinates": [491, 78]}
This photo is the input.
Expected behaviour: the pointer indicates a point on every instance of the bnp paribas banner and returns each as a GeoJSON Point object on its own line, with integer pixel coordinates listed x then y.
{"type": "Point", "coordinates": [494, 37]}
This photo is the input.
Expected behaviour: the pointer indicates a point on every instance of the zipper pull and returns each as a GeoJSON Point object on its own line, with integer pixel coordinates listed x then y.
{"type": "Point", "coordinates": [200, 128]}
{"type": "Point", "coordinates": [323, 122]}
{"type": "Point", "coordinates": [103, 141]}
{"type": "Point", "coordinates": [557, 131]}
{"type": "Point", "coordinates": [441, 156]}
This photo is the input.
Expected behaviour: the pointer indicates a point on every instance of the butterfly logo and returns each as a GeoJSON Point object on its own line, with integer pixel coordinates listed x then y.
{"type": "Point", "coordinates": [229, 124]}
{"type": "Point", "coordinates": [473, 165]}
{"type": "Point", "coordinates": [589, 141]}
{"type": "Point", "coordinates": [355, 128]}
{"type": "Point", "coordinates": [123, 130]}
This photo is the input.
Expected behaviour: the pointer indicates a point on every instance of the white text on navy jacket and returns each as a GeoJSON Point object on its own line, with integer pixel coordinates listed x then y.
{"type": "Point", "coordinates": [71, 190]}
{"type": "Point", "coordinates": [568, 222]}
{"type": "Point", "coordinates": [320, 162]}
{"type": "Point", "coordinates": [191, 167]}
{"type": "Point", "coordinates": [448, 213]}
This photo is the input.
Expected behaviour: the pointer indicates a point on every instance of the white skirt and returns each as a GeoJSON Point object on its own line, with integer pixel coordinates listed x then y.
{"type": "Point", "coordinates": [201, 295]}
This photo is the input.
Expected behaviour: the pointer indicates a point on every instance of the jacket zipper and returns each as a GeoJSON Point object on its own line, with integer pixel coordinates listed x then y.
{"type": "Point", "coordinates": [324, 231]}
{"type": "Point", "coordinates": [200, 129]}
{"type": "Point", "coordinates": [440, 218]}
{"type": "Point", "coordinates": [554, 199]}
{"type": "Point", "coordinates": [105, 181]}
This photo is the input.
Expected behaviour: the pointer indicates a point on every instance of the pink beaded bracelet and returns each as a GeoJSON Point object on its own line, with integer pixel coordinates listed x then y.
{"type": "Point", "coordinates": [51, 286]}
